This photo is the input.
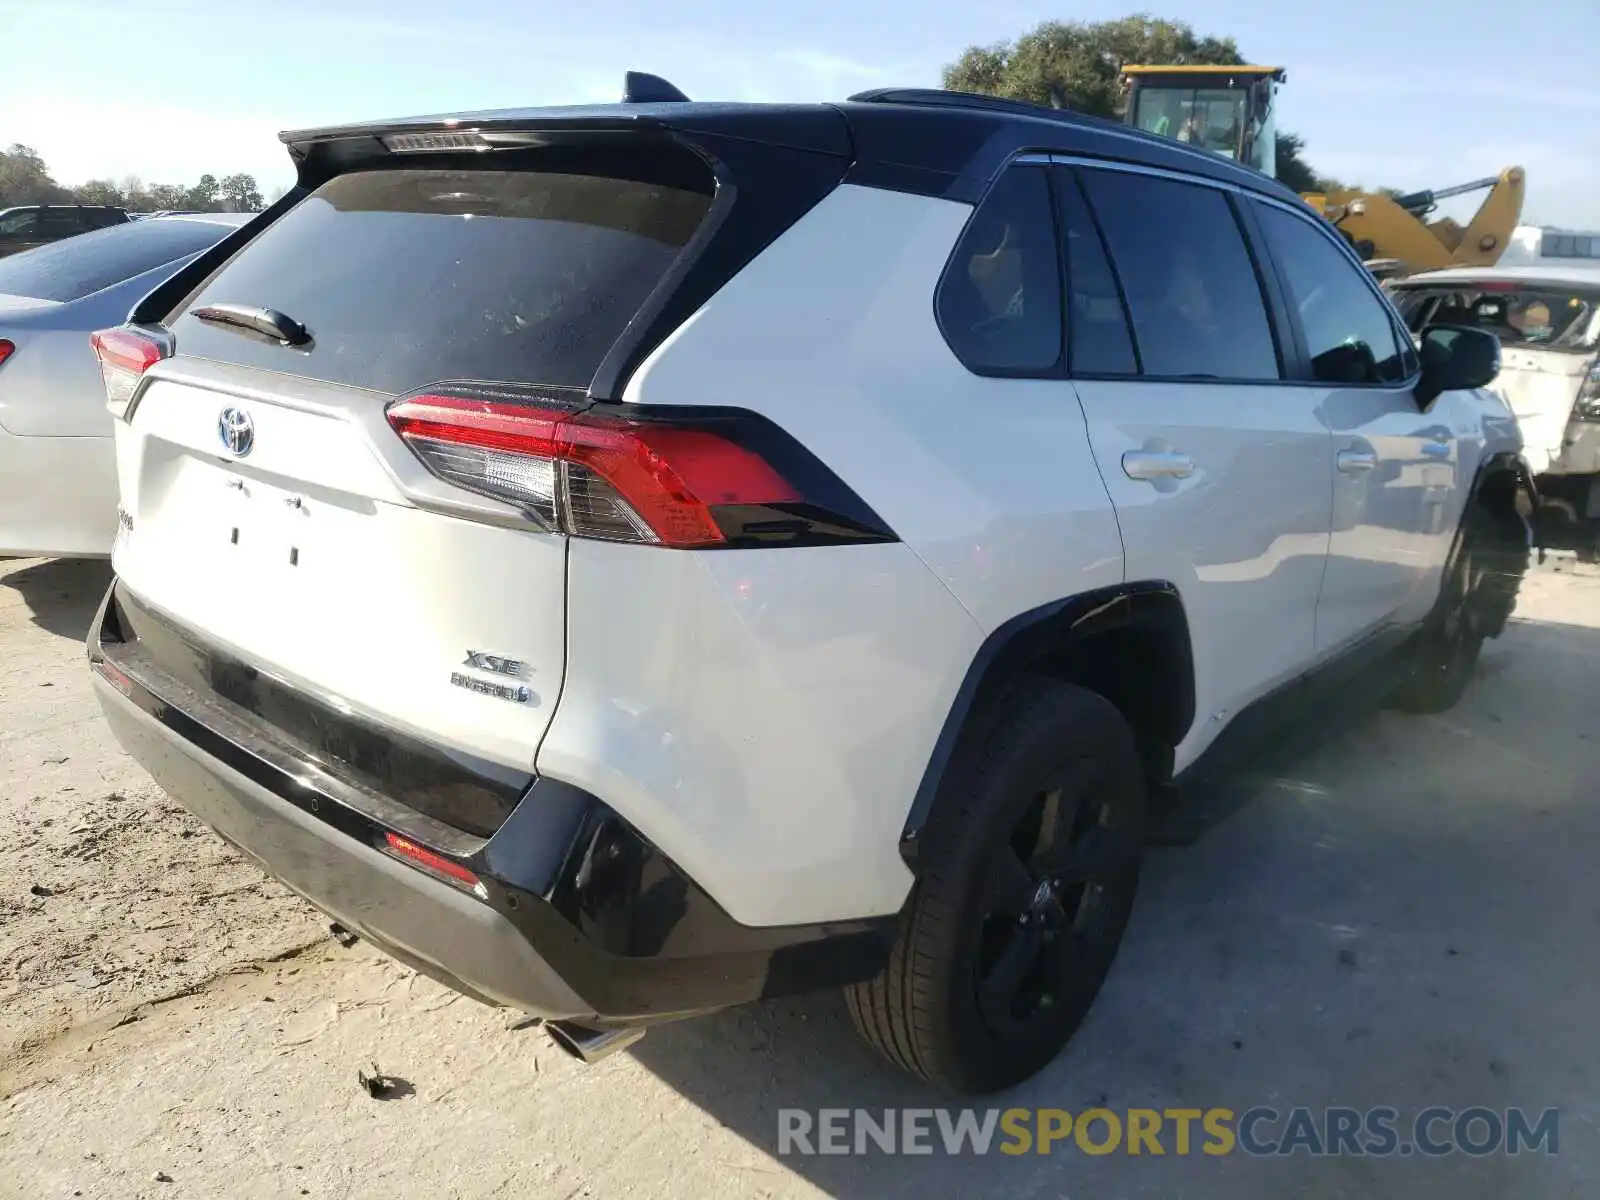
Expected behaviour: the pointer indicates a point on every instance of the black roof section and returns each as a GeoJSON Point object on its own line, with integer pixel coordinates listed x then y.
{"type": "Point", "coordinates": [912, 139]}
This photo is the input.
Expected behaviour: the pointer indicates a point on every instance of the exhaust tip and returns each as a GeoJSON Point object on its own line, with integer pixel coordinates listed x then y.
{"type": "Point", "coordinates": [591, 1045]}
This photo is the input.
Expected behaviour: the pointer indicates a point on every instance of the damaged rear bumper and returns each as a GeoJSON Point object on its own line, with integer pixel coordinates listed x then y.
{"type": "Point", "coordinates": [569, 913]}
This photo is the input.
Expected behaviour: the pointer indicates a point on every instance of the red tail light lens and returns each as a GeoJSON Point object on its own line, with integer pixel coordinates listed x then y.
{"type": "Point", "coordinates": [6, 349]}
{"type": "Point", "coordinates": [598, 475]}
{"type": "Point", "coordinates": [430, 861]}
{"type": "Point", "coordinates": [125, 355]}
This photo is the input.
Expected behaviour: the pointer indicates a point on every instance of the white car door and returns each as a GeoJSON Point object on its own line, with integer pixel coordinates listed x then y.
{"type": "Point", "coordinates": [1220, 472]}
{"type": "Point", "coordinates": [1398, 467]}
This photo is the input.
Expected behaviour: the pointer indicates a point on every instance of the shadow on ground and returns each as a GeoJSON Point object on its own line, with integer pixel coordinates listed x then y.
{"type": "Point", "coordinates": [62, 594]}
{"type": "Point", "coordinates": [1387, 917]}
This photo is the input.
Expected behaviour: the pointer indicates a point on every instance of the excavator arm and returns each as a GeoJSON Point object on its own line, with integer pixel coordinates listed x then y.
{"type": "Point", "coordinates": [1384, 227]}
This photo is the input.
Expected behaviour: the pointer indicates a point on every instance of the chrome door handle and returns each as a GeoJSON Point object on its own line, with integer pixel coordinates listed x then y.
{"type": "Point", "coordinates": [1157, 464]}
{"type": "Point", "coordinates": [1351, 461]}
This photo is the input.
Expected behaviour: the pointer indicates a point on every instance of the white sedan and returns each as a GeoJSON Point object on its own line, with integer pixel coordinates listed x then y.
{"type": "Point", "coordinates": [58, 474]}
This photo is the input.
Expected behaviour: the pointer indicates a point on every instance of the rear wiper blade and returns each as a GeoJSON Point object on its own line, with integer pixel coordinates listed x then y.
{"type": "Point", "coordinates": [266, 321]}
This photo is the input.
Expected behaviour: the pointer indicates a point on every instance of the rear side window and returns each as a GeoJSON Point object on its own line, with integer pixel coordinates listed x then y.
{"type": "Point", "coordinates": [410, 277]}
{"type": "Point", "coordinates": [1192, 289]}
{"type": "Point", "coordinates": [1099, 339]}
{"type": "Point", "coordinates": [77, 266]}
{"type": "Point", "coordinates": [63, 222]}
{"type": "Point", "coordinates": [999, 303]}
{"type": "Point", "coordinates": [17, 223]}
{"type": "Point", "coordinates": [1349, 332]}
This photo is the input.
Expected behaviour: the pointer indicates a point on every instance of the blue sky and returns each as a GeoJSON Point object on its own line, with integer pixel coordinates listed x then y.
{"type": "Point", "coordinates": [167, 89]}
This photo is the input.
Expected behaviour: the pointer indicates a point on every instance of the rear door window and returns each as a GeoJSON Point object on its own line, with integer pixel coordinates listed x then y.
{"type": "Point", "coordinates": [1100, 341]}
{"type": "Point", "coordinates": [999, 303]}
{"type": "Point", "coordinates": [406, 278]}
{"type": "Point", "coordinates": [63, 223]}
{"type": "Point", "coordinates": [1350, 333]}
{"type": "Point", "coordinates": [1191, 286]}
{"type": "Point", "coordinates": [76, 266]}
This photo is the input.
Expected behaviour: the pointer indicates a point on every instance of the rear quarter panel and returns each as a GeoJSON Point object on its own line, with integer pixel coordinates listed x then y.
{"type": "Point", "coordinates": [769, 721]}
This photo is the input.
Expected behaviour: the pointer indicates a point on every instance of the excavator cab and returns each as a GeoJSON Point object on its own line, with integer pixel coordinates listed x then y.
{"type": "Point", "coordinates": [1227, 110]}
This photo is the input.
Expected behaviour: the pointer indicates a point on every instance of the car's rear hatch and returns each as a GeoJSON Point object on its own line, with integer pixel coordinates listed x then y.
{"type": "Point", "coordinates": [273, 514]}
{"type": "Point", "coordinates": [1540, 387]}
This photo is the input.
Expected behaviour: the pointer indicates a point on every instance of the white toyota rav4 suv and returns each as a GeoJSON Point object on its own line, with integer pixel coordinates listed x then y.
{"type": "Point", "coordinates": [630, 561]}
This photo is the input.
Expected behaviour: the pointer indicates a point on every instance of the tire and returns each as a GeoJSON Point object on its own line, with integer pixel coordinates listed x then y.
{"type": "Point", "coordinates": [1473, 605]}
{"type": "Point", "coordinates": [1030, 862]}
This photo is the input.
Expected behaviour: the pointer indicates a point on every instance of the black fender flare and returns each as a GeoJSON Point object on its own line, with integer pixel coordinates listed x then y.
{"type": "Point", "coordinates": [1501, 464]}
{"type": "Point", "coordinates": [1051, 630]}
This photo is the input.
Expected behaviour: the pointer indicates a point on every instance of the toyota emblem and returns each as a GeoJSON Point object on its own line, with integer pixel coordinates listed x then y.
{"type": "Point", "coordinates": [237, 430]}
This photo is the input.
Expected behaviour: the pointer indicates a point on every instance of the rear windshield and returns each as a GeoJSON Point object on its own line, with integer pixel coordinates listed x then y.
{"type": "Point", "coordinates": [73, 268]}
{"type": "Point", "coordinates": [1536, 316]}
{"type": "Point", "coordinates": [409, 277]}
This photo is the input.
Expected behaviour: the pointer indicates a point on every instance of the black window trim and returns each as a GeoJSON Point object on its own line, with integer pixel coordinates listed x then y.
{"type": "Point", "coordinates": [1288, 335]}
{"type": "Point", "coordinates": [1027, 160]}
{"type": "Point", "coordinates": [1062, 176]}
{"type": "Point", "coordinates": [1303, 375]}
{"type": "Point", "coordinates": [1279, 324]}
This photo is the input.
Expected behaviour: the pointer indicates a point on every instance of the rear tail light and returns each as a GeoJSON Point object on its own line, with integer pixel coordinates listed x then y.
{"type": "Point", "coordinates": [125, 354]}
{"type": "Point", "coordinates": [7, 348]}
{"type": "Point", "coordinates": [115, 677]}
{"type": "Point", "coordinates": [432, 862]}
{"type": "Point", "coordinates": [682, 479]}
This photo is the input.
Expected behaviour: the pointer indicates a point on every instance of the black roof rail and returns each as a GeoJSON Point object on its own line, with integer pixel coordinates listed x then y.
{"type": "Point", "coordinates": [640, 87]}
{"type": "Point", "coordinates": [940, 97]}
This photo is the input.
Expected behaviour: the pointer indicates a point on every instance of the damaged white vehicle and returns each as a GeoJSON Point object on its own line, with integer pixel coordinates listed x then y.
{"type": "Point", "coordinates": [1547, 318]}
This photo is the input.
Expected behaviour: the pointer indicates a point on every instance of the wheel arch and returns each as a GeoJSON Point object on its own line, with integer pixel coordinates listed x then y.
{"type": "Point", "coordinates": [1079, 639]}
{"type": "Point", "coordinates": [1501, 476]}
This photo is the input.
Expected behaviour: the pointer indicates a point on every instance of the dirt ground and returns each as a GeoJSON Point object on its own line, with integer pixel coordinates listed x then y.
{"type": "Point", "coordinates": [1403, 913]}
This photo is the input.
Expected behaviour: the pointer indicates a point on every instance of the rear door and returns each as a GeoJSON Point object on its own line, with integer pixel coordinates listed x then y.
{"type": "Point", "coordinates": [1220, 472]}
{"type": "Point", "coordinates": [1398, 470]}
{"type": "Point", "coordinates": [273, 509]}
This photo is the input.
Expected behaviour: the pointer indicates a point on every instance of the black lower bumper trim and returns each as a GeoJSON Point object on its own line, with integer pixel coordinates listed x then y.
{"type": "Point", "coordinates": [576, 915]}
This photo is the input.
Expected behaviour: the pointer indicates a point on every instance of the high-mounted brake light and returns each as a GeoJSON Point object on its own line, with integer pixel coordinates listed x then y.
{"type": "Point", "coordinates": [125, 355]}
{"type": "Point", "coordinates": [597, 475]}
{"type": "Point", "coordinates": [423, 143]}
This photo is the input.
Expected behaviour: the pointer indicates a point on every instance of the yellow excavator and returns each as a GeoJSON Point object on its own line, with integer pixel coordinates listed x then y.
{"type": "Point", "coordinates": [1229, 110]}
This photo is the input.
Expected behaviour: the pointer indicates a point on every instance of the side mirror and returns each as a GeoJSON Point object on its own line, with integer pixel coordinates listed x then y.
{"type": "Point", "coordinates": [1456, 358]}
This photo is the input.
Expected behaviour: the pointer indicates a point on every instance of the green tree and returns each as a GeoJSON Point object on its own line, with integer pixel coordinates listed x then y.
{"type": "Point", "coordinates": [1295, 172]}
{"type": "Point", "coordinates": [24, 178]}
{"type": "Point", "coordinates": [164, 196]}
{"type": "Point", "coordinates": [240, 193]}
{"type": "Point", "coordinates": [202, 197]}
{"type": "Point", "coordinates": [99, 191]}
{"type": "Point", "coordinates": [1078, 65]}
{"type": "Point", "coordinates": [135, 196]}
